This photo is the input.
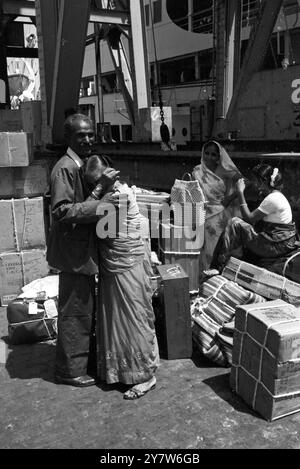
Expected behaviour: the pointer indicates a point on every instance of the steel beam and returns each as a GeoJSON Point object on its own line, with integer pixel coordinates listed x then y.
{"type": "Point", "coordinates": [255, 54]}
{"type": "Point", "coordinates": [69, 55]}
{"type": "Point", "coordinates": [234, 19]}
{"type": "Point", "coordinates": [4, 87]}
{"type": "Point", "coordinates": [16, 8]}
{"type": "Point", "coordinates": [46, 25]}
{"type": "Point", "coordinates": [105, 16]}
{"type": "Point", "coordinates": [220, 57]}
{"type": "Point", "coordinates": [228, 36]}
{"type": "Point", "coordinates": [117, 17]}
{"type": "Point", "coordinates": [139, 62]}
{"type": "Point", "coordinates": [124, 75]}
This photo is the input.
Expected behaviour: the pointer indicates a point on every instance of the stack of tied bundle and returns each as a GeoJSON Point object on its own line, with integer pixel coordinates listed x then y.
{"type": "Point", "coordinates": [182, 245]}
{"type": "Point", "coordinates": [152, 205]}
{"type": "Point", "coordinates": [266, 358]}
{"type": "Point", "coordinates": [22, 245]}
{"type": "Point", "coordinates": [268, 284]}
{"type": "Point", "coordinates": [213, 312]}
{"type": "Point", "coordinates": [187, 201]}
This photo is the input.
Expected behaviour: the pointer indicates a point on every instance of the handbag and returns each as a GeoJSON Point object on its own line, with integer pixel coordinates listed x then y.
{"type": "Point", "coordinates": [31, 321]}
{"type": "Point", "coordinates": [187, 202]}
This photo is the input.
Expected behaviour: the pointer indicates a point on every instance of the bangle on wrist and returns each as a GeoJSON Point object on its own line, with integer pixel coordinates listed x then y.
{"type": "Point", "coordinates": [243, 205]}
{"type": "Point", "coordinates": [94, 195]}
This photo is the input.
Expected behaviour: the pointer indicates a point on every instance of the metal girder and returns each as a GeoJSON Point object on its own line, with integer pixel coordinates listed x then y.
{"type": "Point", "coordinates": [228, 35]}
{"type": "Point", "coordinates": [133, 75]}
{"type": "Point", "coordinates": [254, 56]}
{"type": "Point", "coordinates": [123, 73]}
{"type": "Point", "coordinates": [105, 16]}
{"type": "Point", "coordinates": [118, 17]}
{"type": "Point", "coordinates": [18, 8]}
{"type": "Point", "coordinates": [4, 88]}
{"type": "Point", "coordinates": [139, 62]}
{"type": "Point", "coordinates": [69, 55]}
{"type": "Point", "coordinates": [220, 57]}
{"type": "Point", "coordinates": [46, 25]}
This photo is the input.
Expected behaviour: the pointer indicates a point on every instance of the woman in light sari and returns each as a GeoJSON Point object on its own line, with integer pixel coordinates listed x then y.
{"type": "Point", "coordinates": [217, 175]}
{"type": "Point", "coordinates": [126, 338]}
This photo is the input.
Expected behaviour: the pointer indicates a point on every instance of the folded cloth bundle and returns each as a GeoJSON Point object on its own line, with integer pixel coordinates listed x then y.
{"type": "Point", "coordinates": [204, 343]}
{"type": "Point", "coordinates": [222, 296]}
{"type": "Point", "coordinates": [224, 338]}
{"type": "Point", "coordinates": [212, 311]}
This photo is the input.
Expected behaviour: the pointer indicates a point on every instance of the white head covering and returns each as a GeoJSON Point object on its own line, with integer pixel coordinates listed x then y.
{"type": "Point", "coordinates": [226, 166]}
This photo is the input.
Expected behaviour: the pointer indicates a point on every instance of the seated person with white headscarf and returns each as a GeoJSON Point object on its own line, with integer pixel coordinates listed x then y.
{"type": "Point", "coordinates": [266, 232]}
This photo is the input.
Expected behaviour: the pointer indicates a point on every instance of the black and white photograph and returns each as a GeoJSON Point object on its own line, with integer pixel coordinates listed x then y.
{"type": "Point", "coordinates": [149, 229]}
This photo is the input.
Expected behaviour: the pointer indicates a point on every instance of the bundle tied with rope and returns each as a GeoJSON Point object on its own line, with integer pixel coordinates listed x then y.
{"type": "Point", "coordinates": [262, 281]}
{"type": "Point", "coordinates": [266, 358]}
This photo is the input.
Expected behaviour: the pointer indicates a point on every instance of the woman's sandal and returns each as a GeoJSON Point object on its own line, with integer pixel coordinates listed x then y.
{"type": "Point", "coordinates": [135, 393]}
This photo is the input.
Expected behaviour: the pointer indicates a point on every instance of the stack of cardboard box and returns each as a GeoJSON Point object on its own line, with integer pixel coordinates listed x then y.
{"type": "Point", "coordinates": [266, 358]}
{"type": "Point", "coordinates": [22, 184]}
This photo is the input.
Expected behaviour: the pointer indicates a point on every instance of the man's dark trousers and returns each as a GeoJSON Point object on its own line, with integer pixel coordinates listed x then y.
{"type": "Point", "coordinates": [76, 352]}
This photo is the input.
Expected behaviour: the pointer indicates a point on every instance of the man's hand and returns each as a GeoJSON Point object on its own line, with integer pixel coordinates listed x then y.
{"type": "Point", "coordinates": [107, 179]}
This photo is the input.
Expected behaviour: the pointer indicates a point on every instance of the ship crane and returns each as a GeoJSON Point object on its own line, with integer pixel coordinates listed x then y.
{"type": "Point", "coordinates": [62, 30]}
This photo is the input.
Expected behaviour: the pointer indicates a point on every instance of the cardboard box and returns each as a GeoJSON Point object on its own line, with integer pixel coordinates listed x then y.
{"type": "Point", "coordinates": [18, 269]}
{"type": "Point", "coordinates": [22, 224]}
{"type": "Point", "coordinates": [31, 116]}
{"type": "Point", "coordinates": [173, 318]}
{"type": "Point", "coordinates": [26, 119]}
{"type": "Point", "coordinates": [30, 181]}
{"type": "Point", "coordinates": [268, 284]}
{"type": "Point", "coordinates": [266, 358]}
{"type": "Point", "coordinates": [10, 120]}
{"type": "Point", "coordinates": [16, 149]}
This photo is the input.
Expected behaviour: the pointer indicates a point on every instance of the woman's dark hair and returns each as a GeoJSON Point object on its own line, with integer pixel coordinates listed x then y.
{"type": "Point", "coordinates": [93, 165]}
{"type": "Point", "coordinates": [269, 175]}
{"type": "Point", "coordinates": [211, 143]}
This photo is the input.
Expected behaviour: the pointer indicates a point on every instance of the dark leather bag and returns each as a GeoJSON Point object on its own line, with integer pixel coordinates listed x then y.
{"type": "Point", "coordinates": [25, 328]}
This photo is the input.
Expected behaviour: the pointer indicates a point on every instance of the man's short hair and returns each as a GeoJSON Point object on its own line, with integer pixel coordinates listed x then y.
{"type": "Point", "coordinates": [70, 121]}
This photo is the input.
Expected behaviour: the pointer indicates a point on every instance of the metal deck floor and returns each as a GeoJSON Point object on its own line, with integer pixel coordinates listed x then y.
{"type": "Point", "coordinates": [192, 407]}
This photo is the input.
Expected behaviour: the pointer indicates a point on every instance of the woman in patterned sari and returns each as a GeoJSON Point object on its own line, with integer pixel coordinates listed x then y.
{"type": "Point", "coordinates": [217, 175]}
{"type": "Point", "coordinates": [126, 338]}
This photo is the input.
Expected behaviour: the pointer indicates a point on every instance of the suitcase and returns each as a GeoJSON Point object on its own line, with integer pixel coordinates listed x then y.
{"type": "Point", "coordinates": [30, 321]}
{"type": "Point", "coordinates": [172, 309]}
